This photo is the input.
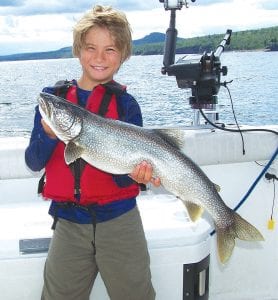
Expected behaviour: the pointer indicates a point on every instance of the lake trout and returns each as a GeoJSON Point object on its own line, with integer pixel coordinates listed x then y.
{"type": "Point", "coordinates": [117, 147]}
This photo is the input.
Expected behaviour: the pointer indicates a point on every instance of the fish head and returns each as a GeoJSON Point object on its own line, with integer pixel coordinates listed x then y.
{"type": "Point", "coordinates": [61, 116]}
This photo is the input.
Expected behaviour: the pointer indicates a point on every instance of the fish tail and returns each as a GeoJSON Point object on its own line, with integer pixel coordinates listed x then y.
{"type": "Point", "coordinates": [240, 229]}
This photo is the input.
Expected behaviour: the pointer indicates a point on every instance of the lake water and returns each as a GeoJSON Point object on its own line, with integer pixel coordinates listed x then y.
{"type": "Point", "coordinates": [254, 90]}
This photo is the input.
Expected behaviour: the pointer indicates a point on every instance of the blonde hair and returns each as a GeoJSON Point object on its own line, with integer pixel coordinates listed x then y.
{"type": "Point", "coordinates": [104, 17]}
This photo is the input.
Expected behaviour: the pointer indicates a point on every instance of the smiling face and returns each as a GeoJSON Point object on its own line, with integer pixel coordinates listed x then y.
{"type": "Point", "coordinates": [99, 57]}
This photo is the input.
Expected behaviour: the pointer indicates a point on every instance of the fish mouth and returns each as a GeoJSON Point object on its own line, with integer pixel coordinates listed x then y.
{"type": "Point", "coordinates": [44, 106]}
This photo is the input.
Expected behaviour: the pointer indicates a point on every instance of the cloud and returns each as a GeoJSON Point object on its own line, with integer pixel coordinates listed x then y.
{"type": "Point", "coordinates": [238, 15]}
{"type": "Point", "coordinates": [270, 5]}
{"type": "Point", "coordinates": [38, 7]}
{"type": "Point", "coordinates": [5, 3]}
{"type": "Point", "coordinates": [209, 2]}
{"type": "Point", "coordinates": [41, 7]}
{"type": "Point", "coordinates": [39, 25]}
{"type": "Point", "coordinates": [43, 25]}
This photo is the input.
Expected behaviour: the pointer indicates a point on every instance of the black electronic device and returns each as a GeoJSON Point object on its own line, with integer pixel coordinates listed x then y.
{"type": "Point", "coordinates": [199, 72]}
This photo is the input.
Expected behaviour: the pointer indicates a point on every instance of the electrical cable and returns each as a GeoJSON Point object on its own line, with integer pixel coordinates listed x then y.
{"type": "Point", "coordinates": [230, 129]}
{"type": "Point", "coordinates": [240, 131]}
{"type": "Point", "coordinates": [273, 201]}
{"type": "Point", "coordinates": [234, 114]}
{"type": "Point", "coordinates": [254, 183]}
{"type": "Point", "coordinates": [271, 221]}
{"type": "Point", "coordinates": [235, 130]}
{"type": "Point", "coordinates": [238, 127]}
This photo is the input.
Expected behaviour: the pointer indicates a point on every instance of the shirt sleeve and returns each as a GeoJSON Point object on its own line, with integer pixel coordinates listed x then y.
{"type": "Point", "coordinates": [131, 111]}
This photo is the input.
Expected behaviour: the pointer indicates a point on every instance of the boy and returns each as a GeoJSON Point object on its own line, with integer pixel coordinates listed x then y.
{"type": "Point", "coordinates": [97, 226]}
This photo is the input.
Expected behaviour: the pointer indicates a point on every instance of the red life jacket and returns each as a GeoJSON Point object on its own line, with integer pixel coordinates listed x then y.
{"type": "Point", "coordinates": [96, 186]}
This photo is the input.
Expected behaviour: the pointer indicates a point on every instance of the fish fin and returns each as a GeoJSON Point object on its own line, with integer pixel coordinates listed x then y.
{"type": "Point", "coordinates": [72, 152]}
{"type": "Point", "coordinates": [195, 211]}
{"type": "Point", "coordinates": [241, 229]}
{"type": "Point", "coordinates": [173, 136]}
{"type": "Point", "coordinates": [245, 231]}
{"type": "Point", "coordinates": [225, 244]}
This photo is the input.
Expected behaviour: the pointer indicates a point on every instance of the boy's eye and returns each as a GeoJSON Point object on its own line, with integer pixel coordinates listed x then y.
{"type": "Point", "coordinates": [89, 47]}
{"type": "Point", "coordinates": [110, 49]}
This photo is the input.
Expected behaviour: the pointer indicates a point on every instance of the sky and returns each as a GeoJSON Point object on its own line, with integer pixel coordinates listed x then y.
{"type": "Point", "coordinates": [45, 25]}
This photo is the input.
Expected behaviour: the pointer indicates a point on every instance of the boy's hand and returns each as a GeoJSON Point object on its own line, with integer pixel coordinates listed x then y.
{"type": "Point", "coordinates": [48, 130]}
{"type": "Point", "coordinates": [143, 172]}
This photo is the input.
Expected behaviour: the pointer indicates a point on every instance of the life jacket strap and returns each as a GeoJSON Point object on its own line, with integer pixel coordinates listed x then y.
{"type": "Point", "coordinates": [77, 167]}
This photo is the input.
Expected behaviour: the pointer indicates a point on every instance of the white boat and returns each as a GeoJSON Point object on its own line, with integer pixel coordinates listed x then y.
{"type": "Point", "coordinates": [184, 261]}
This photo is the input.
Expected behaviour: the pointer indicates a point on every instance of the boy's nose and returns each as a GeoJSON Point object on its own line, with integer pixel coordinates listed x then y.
{"type": "Point", "coordinates": [99, 55]}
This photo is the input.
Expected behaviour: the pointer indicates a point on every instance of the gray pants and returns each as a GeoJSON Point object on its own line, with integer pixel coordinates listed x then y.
{"type": "Point", "coordinates": [121, 258]}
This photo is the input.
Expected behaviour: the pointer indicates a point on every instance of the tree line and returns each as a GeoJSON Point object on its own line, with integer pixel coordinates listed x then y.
{"type": "Point", "coordinates": [260, 39]}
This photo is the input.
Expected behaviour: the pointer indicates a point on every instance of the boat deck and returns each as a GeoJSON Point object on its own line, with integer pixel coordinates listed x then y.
{"type": "Point", "coordinates": [173, 240]}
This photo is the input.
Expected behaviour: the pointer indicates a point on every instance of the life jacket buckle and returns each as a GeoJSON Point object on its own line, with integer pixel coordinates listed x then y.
{"type": "Point", "coordinates": [77, 192]}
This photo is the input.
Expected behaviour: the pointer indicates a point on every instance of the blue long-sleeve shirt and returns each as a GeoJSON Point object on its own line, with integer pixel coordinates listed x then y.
{"type": "Point", "coordinates": [41, 147]}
